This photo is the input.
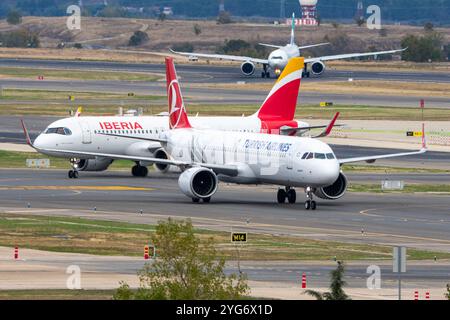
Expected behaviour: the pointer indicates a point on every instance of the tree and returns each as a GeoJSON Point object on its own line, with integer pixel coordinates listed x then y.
{"type": "Point", "coordinates": [447, 295]}
{"type": "Point", "coordinates": [224, 17]}
{"type": "Point", "coordinates": [336, 286]}
{"type": "Point", "coordinates": [423, 49]}
{"type": "Point", "coordinates": [14, 17]}
{"type": "Point", "coordinates": [428, 27]}
{"type": "Point", "coordinates": [186, 268]}
{"type": "Point", "coordinates": [138, 38]}
{"type": "Point", "coordinates": [162, 16]}
{"type": "Point", "coordinates": [360, 21]}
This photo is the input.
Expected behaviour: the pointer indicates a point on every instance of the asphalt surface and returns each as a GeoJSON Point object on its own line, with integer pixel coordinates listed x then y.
{"type": "Point", "coordinates": [414, 220]}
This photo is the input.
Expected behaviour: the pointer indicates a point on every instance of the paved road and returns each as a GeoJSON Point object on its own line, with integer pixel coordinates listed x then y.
{"type": "Point", "coordinates": [415, 220]}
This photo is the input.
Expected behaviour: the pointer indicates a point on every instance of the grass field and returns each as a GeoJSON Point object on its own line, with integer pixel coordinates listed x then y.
{"type": "Point", "coordinates": [443, 189]}
{"type": "Point", "coordinates": [13, 159]}
{"type": "Point", "coordinates": [51, 294]}
{"type": "Point", "coordinates": [63, 234]}
{"type": "Point", "coordinates": [55, 74]}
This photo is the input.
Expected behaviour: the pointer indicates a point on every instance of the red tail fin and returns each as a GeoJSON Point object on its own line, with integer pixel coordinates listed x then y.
{"type": "Point", "coordinates": [177, 113]}
{"type": "Point", "coordinates": [281, 102]}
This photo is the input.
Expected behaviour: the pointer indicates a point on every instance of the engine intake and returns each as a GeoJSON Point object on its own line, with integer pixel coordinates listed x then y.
{"type": "Point", "coordinates": [161, 154]}
{"type": "Point", "coordinates": [198, 183]}
{"type": "Point", "coordinates": [97, 164]}
{"type": "Point", "coordinates": [334, 191]}
{"type": "Point", "coordinates": [248, 68]}
{"type": "Point", "coordinates": [317, 67]}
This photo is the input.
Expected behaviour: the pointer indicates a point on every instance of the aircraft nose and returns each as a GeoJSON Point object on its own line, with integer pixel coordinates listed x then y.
{"type": "Point", "coordinates": [330, 172]}
{"type": "Point", "coordinates": [40, 142]}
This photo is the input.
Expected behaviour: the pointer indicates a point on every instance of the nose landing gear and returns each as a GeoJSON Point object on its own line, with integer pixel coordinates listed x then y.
{"type": "Point", "coordinates": [310, 203]}
{"type": "Point", "coordinates": [73, 174]}
{"type": "Point", "coordinates": [265, 73]}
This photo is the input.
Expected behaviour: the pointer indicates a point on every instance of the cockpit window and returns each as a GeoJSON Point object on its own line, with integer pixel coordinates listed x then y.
{"type": "Point", "coordinates": [305, 155]}
{"type": "Point", "coordinates": [60, 130]}
{"type": "Point", "coordinates": [277, 58]}
{"type": "Point", "coordinates": [310, 156]}
{"type": "Point", "coordinates": [319, 155]}
{"type": "Point", "coordinates": [330, 156]}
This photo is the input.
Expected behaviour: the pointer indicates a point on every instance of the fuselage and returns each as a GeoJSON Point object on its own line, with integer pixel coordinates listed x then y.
{"type": "Point", "coordinates": [260, 158]}
{"type": "Point", "coordinates": [87, 133]}
{"type": "Point", "coordinates": [279, 58]}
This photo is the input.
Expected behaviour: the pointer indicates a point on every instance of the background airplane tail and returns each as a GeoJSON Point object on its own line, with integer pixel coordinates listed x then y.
{"type": "Point", "coordinates": [177, 112]}
{"type": "Point", "coordinates": [293, 30]}
{"type": "Point", "coordinates": [281, 102]}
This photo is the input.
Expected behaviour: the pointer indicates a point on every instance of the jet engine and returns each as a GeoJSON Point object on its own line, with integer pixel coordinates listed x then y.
{"type": "Point", "coordinates": [97, 164]}
{"type": "Point", "coordinates": [335, 191]}
{"type": "Point", "coordinates": [161, 154]}
{"type": "Point", "coordinates": [248, 68]}
{"type": "Point", "coordinates": [317, 67]}
{"type": "Point", "coordinates": [198, 183]}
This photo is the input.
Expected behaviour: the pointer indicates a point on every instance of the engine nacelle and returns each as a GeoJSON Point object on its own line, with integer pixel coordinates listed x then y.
{"type": "Point", "coordinates": [317, 67]}
{"type": "Point", "coordinates": [335, 191]}
{"type": "Point", "coordinates": [198, 183]}
{"type": "Point", "coordinates": [161, 154]}
{"type": "Point", "coordinates": [97, 164]}
{"type": "Point", "coordinates": [248, 68]}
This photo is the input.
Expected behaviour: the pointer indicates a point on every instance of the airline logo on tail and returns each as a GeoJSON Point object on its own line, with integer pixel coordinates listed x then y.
{"type": "Point", "coordinates": [177, 112]}
{"type": "Point", "coordinates": [281, 102]}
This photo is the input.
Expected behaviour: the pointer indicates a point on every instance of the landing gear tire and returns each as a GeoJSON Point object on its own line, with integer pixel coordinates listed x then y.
{"type": "Point", "coordinates": [281, 196]}
{"type": "Point", "coordinates": [207, 200]}
{"type": "Point", "coordinates": [139, 171]}
{"type": "Point", "coordinates": [308, 204]}
{"type": "Point", "coordinates": [73, 174]}
{"type": "Point", "coordinates": [195, 200]}
{"type": "Point", "coordinates": [291, 196]}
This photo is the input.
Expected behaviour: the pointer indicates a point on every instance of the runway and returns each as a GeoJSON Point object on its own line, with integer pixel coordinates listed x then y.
{"type": "Point", "coordinates": [414, 220]}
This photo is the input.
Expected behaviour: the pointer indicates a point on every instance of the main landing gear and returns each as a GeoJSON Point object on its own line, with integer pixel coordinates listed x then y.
{"type": "Point", "coordinates": [288, 194]}
{"type": "Point", "coordinates": [310, 203]}
{"type": "Point", "coordinates": [265, 73]}
{"type": "Point", "coordinates": [139, 171]}
{"type": "Point", "coordinates": [205, 200]}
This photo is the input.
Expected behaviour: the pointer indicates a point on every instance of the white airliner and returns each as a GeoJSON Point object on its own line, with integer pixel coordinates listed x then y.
{"type": "Point", "coordinates": [207, 156]}
{"type": "Point", "coordinates": [279, 58]}
{"type": "Point", "coordinates": [83, 133]}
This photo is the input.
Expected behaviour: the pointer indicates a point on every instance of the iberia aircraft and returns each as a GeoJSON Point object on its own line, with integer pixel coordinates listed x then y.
{"type": "Point", "coordinates": [276, 115]}
{"type": "Point", "coordinates": [207, 156]}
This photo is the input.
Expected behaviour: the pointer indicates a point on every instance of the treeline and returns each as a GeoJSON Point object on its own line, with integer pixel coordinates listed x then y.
{"type": "Point", "coordinates": [410, 11]}
{"type": "Point", "coordinates": [21, 38]}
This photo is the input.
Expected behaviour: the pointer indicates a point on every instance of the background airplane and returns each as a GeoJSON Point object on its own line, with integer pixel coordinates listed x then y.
{"type": "Point", "coordinates": [279, 58]}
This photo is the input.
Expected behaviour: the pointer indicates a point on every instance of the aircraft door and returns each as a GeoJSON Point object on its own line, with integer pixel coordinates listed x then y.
{"type": "Point", "coordinates": [86, 134]}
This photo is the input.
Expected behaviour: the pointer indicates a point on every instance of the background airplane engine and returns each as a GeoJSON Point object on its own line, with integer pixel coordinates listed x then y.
{"type": "Point", "coordinates": [335, 191]}
{"type": "Point", "coordinates": [198, 183]}
{"type": "Point", "coordinates": [317, 67]}
{"type": "Point", "coordinates": [248, 68]}
{"type": "Point", "coordinates": [161, 154]}
{"type": "Point", "coordinates": [97, 164]}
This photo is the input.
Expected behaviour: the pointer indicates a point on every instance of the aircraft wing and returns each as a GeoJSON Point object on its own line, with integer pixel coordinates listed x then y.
{"type": "Point", "coordinates": [372, 159]}
{"type": "Point", "coordinates": [221, 57]}
{"type": "Point", "coordinates": [351, 55]}
{"type": "Point", "coordinates": [229, 170]}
